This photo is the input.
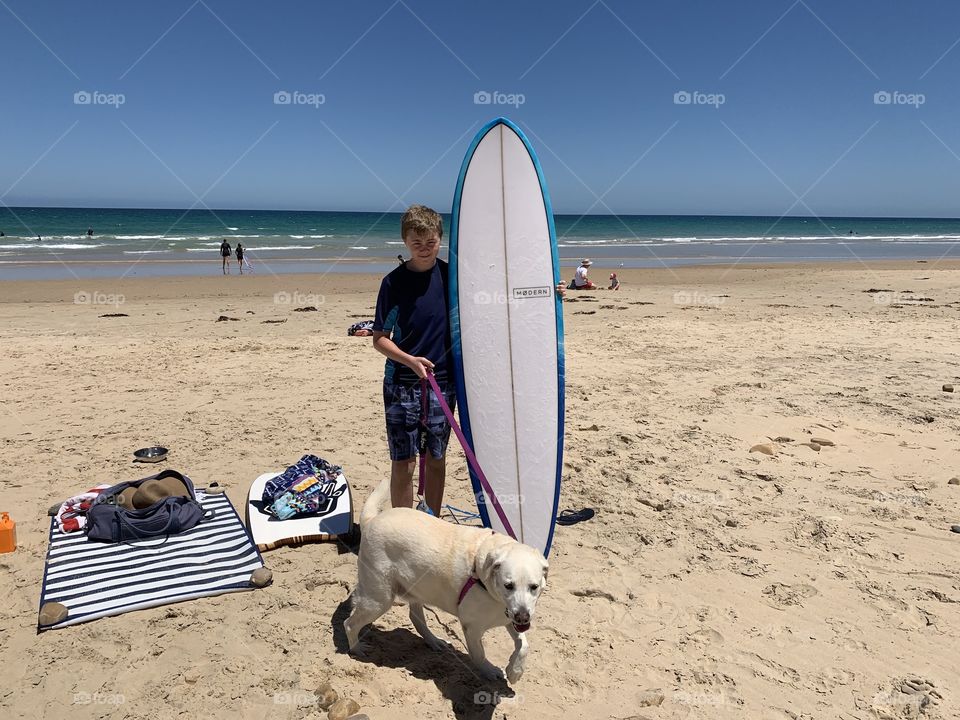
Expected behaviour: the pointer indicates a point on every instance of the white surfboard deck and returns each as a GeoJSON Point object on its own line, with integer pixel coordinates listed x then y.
{"type": "Point", "coordinates": [269, 533]}
{"type": "Point", "coordinates": [507, 330]}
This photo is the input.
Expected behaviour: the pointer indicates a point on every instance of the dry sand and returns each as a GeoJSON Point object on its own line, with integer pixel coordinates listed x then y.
{"type": "Point", "coordinates": [714, 581]}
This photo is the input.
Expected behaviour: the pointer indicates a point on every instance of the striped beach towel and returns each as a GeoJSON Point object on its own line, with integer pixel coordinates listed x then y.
{"type": "Point", "coordinates": [95, 579]}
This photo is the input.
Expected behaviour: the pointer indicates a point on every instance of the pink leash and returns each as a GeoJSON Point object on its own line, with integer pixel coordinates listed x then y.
{"type": "Point", "coordinates": [471, 460]}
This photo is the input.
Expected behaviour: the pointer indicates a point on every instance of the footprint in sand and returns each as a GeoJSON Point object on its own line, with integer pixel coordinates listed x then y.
{"type": "Point", "coordinates": [786, 595]}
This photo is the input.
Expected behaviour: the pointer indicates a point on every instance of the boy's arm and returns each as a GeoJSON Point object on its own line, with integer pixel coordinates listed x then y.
{"type": "Point", "coordinates": [383, 344]}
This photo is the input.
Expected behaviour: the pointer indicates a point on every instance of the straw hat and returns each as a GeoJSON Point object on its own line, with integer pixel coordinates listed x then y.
{"type": "Point", "coordinates": [586, 262]}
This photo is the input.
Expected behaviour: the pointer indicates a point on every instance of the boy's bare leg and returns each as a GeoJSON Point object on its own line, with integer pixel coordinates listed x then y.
{"type": "Point", "coordinates": [401, 482]}
{"type": "Point", "coordinates": [433, 481]}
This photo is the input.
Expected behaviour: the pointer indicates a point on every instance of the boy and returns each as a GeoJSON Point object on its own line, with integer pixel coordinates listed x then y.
{"type": "Point", "coordinates": [412, 329]}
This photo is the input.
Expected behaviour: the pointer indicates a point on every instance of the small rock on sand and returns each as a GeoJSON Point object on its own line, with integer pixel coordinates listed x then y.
{"type": "Point", "coordinates": [765, 448]}
{"type": "Point", "coordinates": [948, 388]}
{"type": "Point", "coordinates": [812, 445]}
{"type": "Point", "coordinates": [326, 695]}
{"type": "Point", "coordinates": [953, 481]}
{"type": "Point", "coordinates": [342, 709]}
{"type": "Point", "coordinates": [955, 528]}
{"type": "Point", "coordinates": [822, 441]}
{"type": "Point", "coordinates": [650, 698]}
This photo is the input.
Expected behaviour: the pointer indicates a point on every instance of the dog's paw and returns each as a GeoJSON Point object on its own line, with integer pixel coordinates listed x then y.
{"type": "Point", "coordinates": [514, 672]}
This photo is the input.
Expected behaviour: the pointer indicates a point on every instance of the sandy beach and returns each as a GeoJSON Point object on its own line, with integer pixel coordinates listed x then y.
{"type": "Point", "coordinates": [714, 582]}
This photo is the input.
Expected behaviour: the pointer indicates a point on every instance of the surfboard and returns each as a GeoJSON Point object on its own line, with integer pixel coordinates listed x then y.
{"type": "Point", "coordinates": [332, 522]}
{"type": "Point", "coordinates": [506, 325]}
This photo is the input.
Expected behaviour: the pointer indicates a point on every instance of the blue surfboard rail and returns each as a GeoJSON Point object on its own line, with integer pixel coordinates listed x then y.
{"type": "Point", "coordinates": [454, 309]}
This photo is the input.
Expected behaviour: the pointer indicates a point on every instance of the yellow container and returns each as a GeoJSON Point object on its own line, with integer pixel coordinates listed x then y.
{"type": "Point", "coordinates": [8, 534]}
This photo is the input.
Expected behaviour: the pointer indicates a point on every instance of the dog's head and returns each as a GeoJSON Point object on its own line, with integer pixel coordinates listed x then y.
{"type": "Point", "coordinates": [516, 574]}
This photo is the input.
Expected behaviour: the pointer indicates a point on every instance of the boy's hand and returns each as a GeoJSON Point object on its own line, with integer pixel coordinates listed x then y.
{"type": "Point", "coordinates": [562, 289]}
{"type": "Point", "coordinates": [421, 366]}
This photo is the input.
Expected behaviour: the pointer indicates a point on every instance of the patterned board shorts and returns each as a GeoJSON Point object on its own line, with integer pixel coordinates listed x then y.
{"type": "Point", "coordinates": [403, 410]}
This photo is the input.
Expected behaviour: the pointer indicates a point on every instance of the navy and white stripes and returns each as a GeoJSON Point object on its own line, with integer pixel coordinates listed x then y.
{"type": "Point", "coordinates": [95, 579]}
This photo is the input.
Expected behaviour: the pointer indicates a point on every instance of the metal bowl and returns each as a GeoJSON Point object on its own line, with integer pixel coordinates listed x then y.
{"type": "Point", "coordinates": [150, 455]}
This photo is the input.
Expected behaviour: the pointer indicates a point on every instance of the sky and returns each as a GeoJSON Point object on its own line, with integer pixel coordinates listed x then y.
{"type": "Point", "coordinates": [766, 107]}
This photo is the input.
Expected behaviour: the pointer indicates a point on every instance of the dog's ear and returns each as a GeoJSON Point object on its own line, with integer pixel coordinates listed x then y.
{"type": "Point", "coordinates": [546, 567]}
{"type": "Point", "coordinates": [487, 565]}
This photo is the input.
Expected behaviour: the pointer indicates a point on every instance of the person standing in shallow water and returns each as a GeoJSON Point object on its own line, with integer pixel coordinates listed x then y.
{"type": "Point", "coordinates": [239, 252]}
{"type": "Point", "coordinates": [225, 252]}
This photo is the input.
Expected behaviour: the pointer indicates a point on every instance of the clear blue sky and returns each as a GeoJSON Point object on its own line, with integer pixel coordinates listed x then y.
{"type": "Point", "coordinates": [398, 79]}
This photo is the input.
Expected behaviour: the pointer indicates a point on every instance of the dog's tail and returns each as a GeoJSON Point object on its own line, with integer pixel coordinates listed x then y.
{"type": "Point", "coordinates": [375, 503]}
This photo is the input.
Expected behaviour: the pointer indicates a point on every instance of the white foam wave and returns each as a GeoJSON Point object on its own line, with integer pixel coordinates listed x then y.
{"type": "Point", "coordinates": [359, 247]}
{"type": "Point", "coordinates": [49, 246]}
{"type": "Point", "coordinates": [144, 252]}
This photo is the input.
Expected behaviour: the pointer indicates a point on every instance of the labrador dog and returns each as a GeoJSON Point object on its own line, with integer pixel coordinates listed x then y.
{"type": "Point", "coordinates": [411, 556]}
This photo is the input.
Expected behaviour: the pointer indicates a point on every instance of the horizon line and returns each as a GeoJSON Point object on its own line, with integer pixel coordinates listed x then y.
{"type": "Point", "coordinates": [571, 214]}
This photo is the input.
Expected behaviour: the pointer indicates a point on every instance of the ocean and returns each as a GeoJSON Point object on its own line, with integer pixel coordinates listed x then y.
{"type": "Point", "coordinates": [137, 242]}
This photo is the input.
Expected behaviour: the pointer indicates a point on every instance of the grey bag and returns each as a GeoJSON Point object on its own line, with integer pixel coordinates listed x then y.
{"type": "Point", "coordinates": [110, 522]}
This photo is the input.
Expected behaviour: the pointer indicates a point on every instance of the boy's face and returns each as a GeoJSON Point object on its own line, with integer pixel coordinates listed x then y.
{"type": "Point", "coordinates": [423, 247]}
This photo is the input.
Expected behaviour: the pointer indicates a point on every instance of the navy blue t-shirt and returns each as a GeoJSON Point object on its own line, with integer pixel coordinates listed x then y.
{"type": "Point", "coordinates": [412, 308]}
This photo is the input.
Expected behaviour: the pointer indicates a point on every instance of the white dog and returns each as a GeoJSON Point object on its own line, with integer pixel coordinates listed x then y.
{"type": "Point", "coordinates": [409, 555]}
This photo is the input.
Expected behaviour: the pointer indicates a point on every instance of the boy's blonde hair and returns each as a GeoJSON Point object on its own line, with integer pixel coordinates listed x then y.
{"type": "Point", "coordinates": [421, 220]}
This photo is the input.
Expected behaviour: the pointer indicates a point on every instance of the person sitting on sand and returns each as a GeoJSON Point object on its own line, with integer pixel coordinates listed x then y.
{"type": "Point", "coordinates": [614, 282]}
{"type": "Point", "coordinates": [240, 257]}
{"type": "Point", "coordinates": [225, 252]}
{"type": "Point", "coordinates": [580, 280]}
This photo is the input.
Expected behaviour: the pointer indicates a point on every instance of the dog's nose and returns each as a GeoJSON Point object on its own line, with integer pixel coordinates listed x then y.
{"type": "Point", "coordinates": [522, 617]}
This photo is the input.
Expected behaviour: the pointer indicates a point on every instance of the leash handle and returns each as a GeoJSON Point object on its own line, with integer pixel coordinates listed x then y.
{"type": "Point", "coordinates": [468, 451]}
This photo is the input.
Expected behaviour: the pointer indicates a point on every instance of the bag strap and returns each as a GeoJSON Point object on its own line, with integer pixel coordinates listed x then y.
{"type": "Point", "coordinates": [121, 520]}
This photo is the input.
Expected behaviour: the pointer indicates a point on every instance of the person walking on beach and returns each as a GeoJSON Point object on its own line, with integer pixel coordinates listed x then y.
{"type": "Point", "coordinates": [225, 254]}
{"type": "Point", "coordinates": [240, 257]}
